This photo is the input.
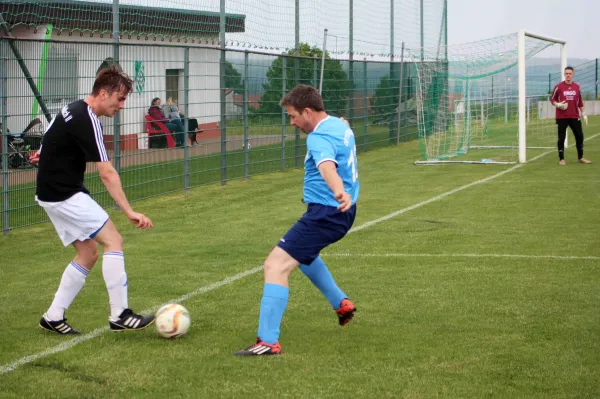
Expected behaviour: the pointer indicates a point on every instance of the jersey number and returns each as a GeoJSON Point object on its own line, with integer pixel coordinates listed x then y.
{"type": "Point", "coordinates": [352, 163]}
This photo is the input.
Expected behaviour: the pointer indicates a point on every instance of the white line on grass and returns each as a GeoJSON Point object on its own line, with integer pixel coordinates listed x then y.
{"type": "Point", "coordinates": [86, 337]}
{"type": "Point", "coordinates": [202, 290]}
{"type": "Point", "coordinates": [553, 182]}
{"type": "Point", "coordinates": [517, 256]}
{"type": "Point", "coordinates": [456, 190]}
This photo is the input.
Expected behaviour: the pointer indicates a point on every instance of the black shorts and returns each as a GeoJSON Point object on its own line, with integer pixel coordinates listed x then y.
{"type": "Point", "coordinates": [319, 227]}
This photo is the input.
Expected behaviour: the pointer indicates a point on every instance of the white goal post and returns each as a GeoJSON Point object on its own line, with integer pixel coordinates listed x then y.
{"type": "Point", "coordinates": [522, 85]}
{"type": "Point", "coordinates": [487, 101]}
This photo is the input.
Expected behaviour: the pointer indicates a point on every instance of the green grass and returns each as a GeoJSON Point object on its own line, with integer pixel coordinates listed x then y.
{"type": "Point", "coordinates": [159, 177]}
{"type": "Point", "coordinates": [495, 132]}
{"type": "Point", "coordinates": [445, 326]}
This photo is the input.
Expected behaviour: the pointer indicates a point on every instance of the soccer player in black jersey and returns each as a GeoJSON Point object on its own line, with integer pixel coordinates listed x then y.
{"type": "Point", "coordinates": [73, 138]}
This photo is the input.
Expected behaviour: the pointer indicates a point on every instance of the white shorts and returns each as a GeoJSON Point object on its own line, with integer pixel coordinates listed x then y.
{"type": "Point", "coordinates": [78, 218]}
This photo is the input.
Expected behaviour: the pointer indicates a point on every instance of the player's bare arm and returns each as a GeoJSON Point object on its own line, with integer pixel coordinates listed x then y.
{"type": "Point", "coordinates": [112, 181]}
{"type": "Point", "coordinates": [329, 172]}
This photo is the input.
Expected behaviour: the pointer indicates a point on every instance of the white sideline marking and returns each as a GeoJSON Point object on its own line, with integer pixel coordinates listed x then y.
{"type": "Point", "coordinates": [547, 181]}
{"type": "Point", "coordinates": [456, 190]}
{"type": "Point", "coordinates": [555, 257]}
{"type": "Point", "coordinates": [86, 337]}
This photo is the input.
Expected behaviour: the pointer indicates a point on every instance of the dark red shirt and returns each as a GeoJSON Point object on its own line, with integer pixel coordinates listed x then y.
{"type": "Point", "coordinates": [572, 95]}
{"type": "Point", "coordinates": [157, 115]}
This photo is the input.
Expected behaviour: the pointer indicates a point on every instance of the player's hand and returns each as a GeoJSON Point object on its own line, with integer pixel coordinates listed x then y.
{"type": "Point", "coordinates": [344, 120]}
{"type": "Point", "coordinates": [35, 158]}
{"type": "Point", "coordinates": [140, 220]}
{"type": "Point", "coordinates": [345, 201]}
{"type": "Point", "coordinates": [562, 105]}
{"type": "Point", "coordinates": [585, 119]}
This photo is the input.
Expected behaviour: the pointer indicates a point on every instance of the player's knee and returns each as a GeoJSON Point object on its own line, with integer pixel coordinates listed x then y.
{"type": "Point", "coordinates": [118, 241]}
{"type": "Point", "coordinates": [273, 268]}
{"type": "Point", "coordinates": [114, 242]}
{"type": "Point", "coordinates": [270, 266]}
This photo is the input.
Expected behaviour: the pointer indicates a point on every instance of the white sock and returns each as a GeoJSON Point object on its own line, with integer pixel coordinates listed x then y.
{"type": "Point", "coordinates": [71, 283]}
{"type": "Point", "coordinates": [113, 270]}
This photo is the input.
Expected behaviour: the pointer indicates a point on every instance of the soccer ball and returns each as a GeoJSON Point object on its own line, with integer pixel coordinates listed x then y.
{"type": "Point", "coordinates": [172, 320]}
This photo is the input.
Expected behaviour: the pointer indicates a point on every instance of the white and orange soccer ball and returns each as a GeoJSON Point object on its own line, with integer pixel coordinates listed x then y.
{"type": "Point", "coordinates": [172, 320]}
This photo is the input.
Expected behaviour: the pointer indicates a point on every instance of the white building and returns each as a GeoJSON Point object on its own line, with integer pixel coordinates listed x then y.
{"type": "Point", "coordinates": [63, 55]}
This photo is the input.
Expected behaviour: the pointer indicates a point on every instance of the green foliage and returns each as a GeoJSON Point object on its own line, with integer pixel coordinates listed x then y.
{"type": "Point", "coordinates": [336, 86]}
{"type": "Point", "coordinates": [233, 79]}
{"type": "Point", "coordinates": [385, 99]}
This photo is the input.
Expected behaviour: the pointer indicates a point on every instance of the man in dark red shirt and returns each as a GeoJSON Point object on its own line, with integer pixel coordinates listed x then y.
{"type": "Point", "coordinates": [566, 97]}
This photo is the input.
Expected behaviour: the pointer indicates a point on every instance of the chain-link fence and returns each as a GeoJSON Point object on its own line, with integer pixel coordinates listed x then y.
{"type": "Point", "coordinates": [233, 126]}
{"type": "Point", "coordinates": [224, 66]}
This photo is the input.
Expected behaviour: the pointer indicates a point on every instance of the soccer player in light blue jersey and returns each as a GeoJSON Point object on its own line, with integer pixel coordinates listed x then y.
{"type": "Point", "coordinates": [331, 190]}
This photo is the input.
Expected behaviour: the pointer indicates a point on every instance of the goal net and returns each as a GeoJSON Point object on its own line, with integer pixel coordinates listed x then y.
{"type": "Point", "coordinates": [488, 101]}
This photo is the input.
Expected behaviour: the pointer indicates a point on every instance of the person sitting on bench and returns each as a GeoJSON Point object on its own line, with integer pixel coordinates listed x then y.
{"type": "Point", "coordinates": [175, 125]}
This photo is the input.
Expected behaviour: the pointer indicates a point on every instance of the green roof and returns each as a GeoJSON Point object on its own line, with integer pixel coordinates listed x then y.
{"type": "Point", "coordinates": [89, 16]}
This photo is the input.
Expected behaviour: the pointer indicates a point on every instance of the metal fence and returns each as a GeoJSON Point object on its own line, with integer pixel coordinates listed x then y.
{"type": "Point", "coordinates": [229, 104]}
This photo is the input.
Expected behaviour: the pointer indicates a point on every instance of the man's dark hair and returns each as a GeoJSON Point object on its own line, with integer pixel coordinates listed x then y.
{"type": "Point", "coordinates": [571, 68]}
{"type": "Point", "coordinates": [154, 100]}
{"type": "Point", "coordinates": [112, 79]}
{"type": "Point", "coordinates": [303, 96]}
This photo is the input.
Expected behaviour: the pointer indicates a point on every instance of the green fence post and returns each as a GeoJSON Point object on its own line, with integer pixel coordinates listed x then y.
{"type": "Point", "coordinates": [3, 104]}
{"type": "Point", "coordinates": [297, 77]}
{"type": "Point", "coordinates": [296, 130]}
{"type": "Point", "coordinates": [366, 107]}
{"type": "Point", "coordinates": [186, 124]}
{"type": "Point", "coordinates": [246, 138]}
{"type": "Point", "coordinates": [222, 92]}
{"type": "Point", "coordinates": [283, 88]}
{"type": "Point", "coordinates": [400, 93]}
{"type": "Point", "coordinates": [117, 117]}
{"type": "Point", "coordinates": [596, 98]}
{"type": "Point", "coordinates": [315, 76]}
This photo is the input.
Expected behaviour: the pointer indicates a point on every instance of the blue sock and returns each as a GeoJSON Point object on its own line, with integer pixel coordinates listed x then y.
{"type": "Point", "coordinates": [272, 306]}
{"type": "Point", "coordinates": [319, 275]}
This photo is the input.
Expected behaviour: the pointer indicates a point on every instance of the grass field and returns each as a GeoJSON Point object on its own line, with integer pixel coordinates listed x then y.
{"type": "Point", "coordinates": [465, 287]}
{"type": "Point", "coordinates": [158, 176]}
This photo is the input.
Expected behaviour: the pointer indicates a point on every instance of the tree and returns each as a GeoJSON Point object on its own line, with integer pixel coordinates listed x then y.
{"type": "Point", "coordinates": [336, 86]}
{"type": "Point", "coordinates": [233, 79]}
{"type": "Point", "coordinates": [385, 100]}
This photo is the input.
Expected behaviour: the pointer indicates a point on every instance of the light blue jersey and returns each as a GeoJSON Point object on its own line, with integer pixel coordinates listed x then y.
{"type": "Point", "coordinates": [332, 140]}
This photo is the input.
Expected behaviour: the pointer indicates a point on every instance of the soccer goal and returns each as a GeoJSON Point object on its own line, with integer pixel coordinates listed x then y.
{"type": "Point", "coordinates": [488, 101]}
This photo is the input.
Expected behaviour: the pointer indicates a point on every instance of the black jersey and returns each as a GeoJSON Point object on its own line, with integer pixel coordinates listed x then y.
{"type": "Point", "coordinates": [73, 138]}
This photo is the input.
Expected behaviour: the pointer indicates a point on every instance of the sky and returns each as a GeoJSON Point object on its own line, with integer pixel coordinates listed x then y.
{"type": "Point", "coordinates": [269, 24]}
{"type": "Point", "coordinates": [576, 21]}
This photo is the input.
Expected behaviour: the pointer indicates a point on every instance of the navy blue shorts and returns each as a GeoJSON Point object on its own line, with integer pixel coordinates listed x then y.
{"type": "Point", "coordinates": [319, 227]}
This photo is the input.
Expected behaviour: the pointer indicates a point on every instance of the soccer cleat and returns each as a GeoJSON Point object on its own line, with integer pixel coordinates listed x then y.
{"type": "Point", "coordinates": [131, 321]}
{"type": "Point", "coordinates": [345, 312]}
{"type": "Point", "coordinates": [583, 160]}
{"type": "Point", "coordinates": [562, 162]}
{"type": "Point", "coordinates": [60, 326]}
{"type": "Point", "coordinates": [260, 349]}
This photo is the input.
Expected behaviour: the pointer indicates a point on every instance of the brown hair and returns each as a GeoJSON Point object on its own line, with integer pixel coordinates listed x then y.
{"type": "Point", "coordinates": [112, 79]}
{"type": "Point", "coordinates": [571, 68]}
{"type": "Point", "coordinates": [303, 96]}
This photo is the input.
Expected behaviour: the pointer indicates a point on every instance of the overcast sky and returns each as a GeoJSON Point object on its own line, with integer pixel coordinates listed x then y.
{"type": "Point", "coordinates": [576, 21]}
{"type": "Point", "coordinates": [270, 23]}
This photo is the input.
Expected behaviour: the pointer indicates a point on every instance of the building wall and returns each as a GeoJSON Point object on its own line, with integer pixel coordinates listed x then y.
{"type": "Point", "coordinates": [155, 58]}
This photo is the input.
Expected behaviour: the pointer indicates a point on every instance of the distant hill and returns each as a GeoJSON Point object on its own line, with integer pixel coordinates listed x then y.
{"type": "Point", "coordinates": [541, 72]}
